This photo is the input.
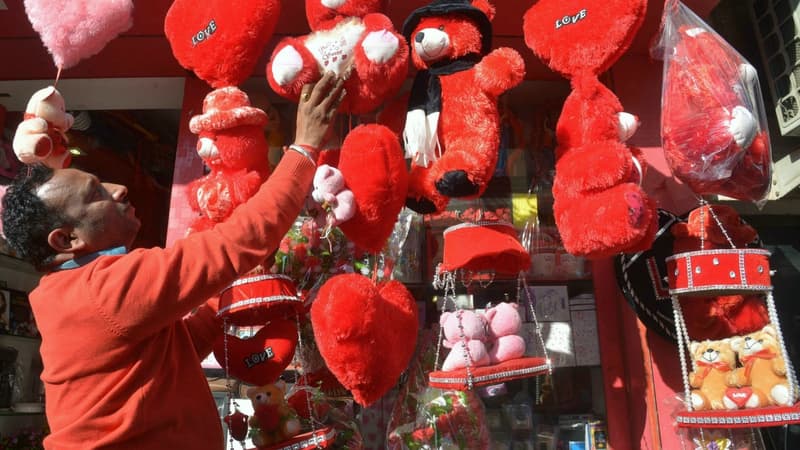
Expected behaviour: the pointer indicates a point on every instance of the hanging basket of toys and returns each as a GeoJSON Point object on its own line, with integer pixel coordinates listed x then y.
{"type": "Point", "coordinates": [486, 347]}
{"type": "Point", "coordinates": [739, 381]}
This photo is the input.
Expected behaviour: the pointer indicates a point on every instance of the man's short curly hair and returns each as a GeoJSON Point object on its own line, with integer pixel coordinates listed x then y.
{"type": "Point", "coordinates": [27, 221]}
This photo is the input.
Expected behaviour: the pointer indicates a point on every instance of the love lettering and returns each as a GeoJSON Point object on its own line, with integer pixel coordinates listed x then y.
{"type": "Point", "coordinates": [259, 357]}
{"type": "Point", "coordinates": [569, 20]}
{"type": "Point", "coordinates": [202, 35]}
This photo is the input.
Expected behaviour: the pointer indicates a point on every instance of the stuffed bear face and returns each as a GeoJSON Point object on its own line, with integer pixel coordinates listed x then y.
{"type": "Point", "coordinates": [474, 326]}
{"type": "Point", "coordinates": [241, 147]}
{"type": "Point", "coordinates": [318, 12]}
{"type": "Point", "coordinates": [270, 394]}
{"type": "Point", "coordinates": [713, 352]}
{"type": "Point", "coordinates": [444, 38]}
{"type": "Point", "coordinates": [49, 105]}
{"type": "Point", "coordinates": [764, 340]}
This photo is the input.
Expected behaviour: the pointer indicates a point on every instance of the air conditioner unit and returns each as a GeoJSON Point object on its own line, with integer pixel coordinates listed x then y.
{"type": "Point", "coordinates": [778, 33]}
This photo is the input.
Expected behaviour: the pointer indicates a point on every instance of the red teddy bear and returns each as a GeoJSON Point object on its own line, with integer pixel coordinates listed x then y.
{"type": "Point", "coordinates": [346, 36]}
{"type": "Point", "coordinates": [711, 133]}
{"type": "Point", "coordinates": [232, 145]}
{"type": "Point", "coordinates": [599, 205]}
{"type": "Point", "coordinates": [452, 128]}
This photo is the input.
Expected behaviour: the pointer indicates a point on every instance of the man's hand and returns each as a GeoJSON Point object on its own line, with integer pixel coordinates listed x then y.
{"type": "Point", "coordinates": [318, 104]}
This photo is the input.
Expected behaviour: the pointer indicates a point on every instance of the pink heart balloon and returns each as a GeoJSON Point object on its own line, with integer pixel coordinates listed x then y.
{"type": "Point", "coordinates": [76, 29]}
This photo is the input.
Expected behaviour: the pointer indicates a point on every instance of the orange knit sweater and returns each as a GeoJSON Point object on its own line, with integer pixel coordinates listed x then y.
{"type": "Point", "coordinates": [121, 366]}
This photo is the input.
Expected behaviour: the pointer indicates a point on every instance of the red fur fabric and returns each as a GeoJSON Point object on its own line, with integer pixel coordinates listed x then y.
{"type": "Point", "coordinates": [365, 333]}
{"type": "Point", "coordinates": [220, 43]}
{"type": "Point", "coordinates": [721, 316]}
{"type": "Point", "coordinates": [353, 36]}
{"type": "Point", "coordinates": [467, 137]}
{"type": "Point", "coordinates": [711, 135]}
{"type": "Point", "coordinates": [371, 161]}
{"type": "Point", "coordinates": [232, 145]}
{"type": "Point", "coordinates": [599, 205]}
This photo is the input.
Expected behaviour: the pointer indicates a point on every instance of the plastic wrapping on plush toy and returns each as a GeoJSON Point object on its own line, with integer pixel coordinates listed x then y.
{"type": "Point", "coordinates": [713, 123]}
{"type": "Point", "coordinates": [425, 417]}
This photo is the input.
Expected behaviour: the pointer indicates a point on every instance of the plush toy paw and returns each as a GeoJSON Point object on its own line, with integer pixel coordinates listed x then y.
{"type": "Point", "coordinates": [456, 183]}
{"type": "Point", "coordinates": [286, 65]}
{"type": "Point", "coordinates": [743, 126]}
{"type": "Point", "coordinates": [457, 358]}
{"type": "Point", "coordinates": [627, 125]}
{"type": "Point", "coordinates": [780, 393]}
{"type": "Point", "coordinates": [380, 46]}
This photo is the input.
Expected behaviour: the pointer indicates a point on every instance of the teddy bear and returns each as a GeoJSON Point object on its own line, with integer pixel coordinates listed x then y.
{"type": "Point", "coordinates": [452, 126]}
{"type": "Point", "coordinates": [597, 186]}
{"type": "Point", "coordinates": [232, 145]}
{"type": "Point", "coordinates": [41, 137]}
{"type": "Point", "coordinates": [727, 152]}
{"type": "Point", "coordinates": [347, 37]}
{"type": "Point", "coordinates": [763, 367]}
{"type": "Point", "coordinates": [715, 317]}
{"type": "Point", "coordinates": [464, 331]}
{"type": "Point", "coordinates": [273, 421]}
{"type": "Point", "coordinates": [330, 201]}
{"type": "Point", "coordinates": [714, 361]}
{"type": "Point", "coordinates": [504, 322]}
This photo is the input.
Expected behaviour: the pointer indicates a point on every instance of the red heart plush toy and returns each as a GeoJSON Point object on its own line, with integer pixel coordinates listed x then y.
{"type": "Point", "coordinates": [220, 43]}
{"type": "Point", "coordinates": [600, 207]}
{"type": "Point", "coordinates": [365, 333]}
{"type": "Point", "coordinates": [262, 358]}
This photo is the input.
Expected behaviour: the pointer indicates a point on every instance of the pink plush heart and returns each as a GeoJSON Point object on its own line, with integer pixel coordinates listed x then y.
{"type": "Point", "coordinates": [260, 359]}
{"type": "Point", "coordinates": [365, 333]}
{"type": "Point", "coordinates": [76, 29]}
{"type": "Point", "coordinates": [580, 36]}
{"type": "Point", "coordinates": [219, 42]}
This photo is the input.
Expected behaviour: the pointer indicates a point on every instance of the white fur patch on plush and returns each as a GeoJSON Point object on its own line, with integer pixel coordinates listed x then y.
{"type": "Point", "coordinates": [286, 65]}
{"type": "Point", "coordinates": [332, 4]}
{"type": "Point", "coordinates": [333, 49]}
{"type": "Point", "coordinates": [380, 46]}
{"type": "Point", "coordinates": [420, 137]}
{"type": "Point", "coordinates": [743, 126]}
{"type": "Point", "coordinates": [627, 124]}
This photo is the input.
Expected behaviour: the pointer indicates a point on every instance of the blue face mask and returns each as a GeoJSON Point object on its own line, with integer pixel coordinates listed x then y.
{"type": "Point", "coordinates": [86, 259]}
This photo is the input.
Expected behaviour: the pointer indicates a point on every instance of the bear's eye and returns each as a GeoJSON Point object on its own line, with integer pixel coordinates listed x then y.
{"type": "Point", "coordinates": [441, 27]}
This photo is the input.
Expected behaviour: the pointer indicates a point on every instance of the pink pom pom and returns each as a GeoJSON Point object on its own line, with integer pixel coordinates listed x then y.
{"type": "Point", "coordinates": [76, 29]}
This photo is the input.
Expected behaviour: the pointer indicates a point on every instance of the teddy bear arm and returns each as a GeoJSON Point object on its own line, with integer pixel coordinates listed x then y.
{"type": "Point", "coordinates": [779, 367]}
{"type": "Point", "coordinates": [377, 22]}
{"type": "Point", "coordinates": [500, 70]}
{"type": "Point", "coordinates": [31, 142]}
{"type": "Point", "coordinates": [694, 380]}
{"type": "Point", "coordinates": [291, 67]}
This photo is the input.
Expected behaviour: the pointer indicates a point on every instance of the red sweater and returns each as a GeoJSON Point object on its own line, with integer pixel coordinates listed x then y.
{"type": "Point", "coordinates": [121, 366]}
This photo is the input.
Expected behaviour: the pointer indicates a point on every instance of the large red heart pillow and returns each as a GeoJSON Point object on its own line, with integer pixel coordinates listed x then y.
{"type": "Point", "coordinates": [219, 42]}
{"type": "Point", "coordinates": [365, 333]}
{"type": "Point", "coordinates": [262, 358]}
{"type": "Point", "coordinates": [371, 161]}
{"type": "Point", "coordinates": [574, 36]}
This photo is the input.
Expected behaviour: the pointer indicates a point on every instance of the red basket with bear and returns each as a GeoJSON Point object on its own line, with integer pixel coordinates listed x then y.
{"type": "Point", "coordinates": [486, 347]}
{"type": "Point", "coordinates": [742, 380]}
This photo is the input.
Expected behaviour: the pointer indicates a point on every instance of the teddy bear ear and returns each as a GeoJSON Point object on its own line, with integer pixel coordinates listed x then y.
{"type": "Point", "coordinates": [770, 329]}
{"type": "Point", "coordinates": [280, 384]}
{"type": "Point", "coordinates": [693, 347]}
{"type": "Point", "coordinates": [736, 343]}
{"type": "Point", "coordinates": [486, 7]}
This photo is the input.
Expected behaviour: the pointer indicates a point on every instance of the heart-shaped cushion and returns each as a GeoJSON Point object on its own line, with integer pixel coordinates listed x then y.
{"type": "Point", "coordinates": [365, 333]}
{"type": "Point", "coordinates": [739, 396]}
{"type": "Point", "coordinates": [262, 358]}
{"type": "Point", "coordinates": [72, 30]}
{"type": "Point", "coordinates": [373, 167]}
{"type": "Point", "coordinates": [582, 36]}
{"type": "Point", "coordinates": [220, 43]}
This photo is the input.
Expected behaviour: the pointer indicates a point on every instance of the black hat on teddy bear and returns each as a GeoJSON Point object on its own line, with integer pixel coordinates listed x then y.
{"type": "Point", "coordinates": [445, 7]}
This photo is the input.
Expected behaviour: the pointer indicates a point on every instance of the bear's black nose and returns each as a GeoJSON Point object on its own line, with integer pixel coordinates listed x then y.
{"type": "Point", "coordinates": [420, 36]}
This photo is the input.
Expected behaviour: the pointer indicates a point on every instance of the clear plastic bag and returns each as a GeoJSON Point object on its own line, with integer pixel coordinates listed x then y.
{"type": "Point", "coordinates": [713, 123]}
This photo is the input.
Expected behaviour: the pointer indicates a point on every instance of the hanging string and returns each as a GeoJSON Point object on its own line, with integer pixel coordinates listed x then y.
{"type": "Point", "coordinates": [58, 77]}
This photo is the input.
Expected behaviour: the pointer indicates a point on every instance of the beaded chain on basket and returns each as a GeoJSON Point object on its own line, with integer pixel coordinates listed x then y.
{"type": "Point", "coordinates": [446, 281]}
{"type": "Point", "coordinates": [683, 335]}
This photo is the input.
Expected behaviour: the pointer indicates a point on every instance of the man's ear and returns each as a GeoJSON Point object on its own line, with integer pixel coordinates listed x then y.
{"type": "Point", "coordinates": [64, 240]}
